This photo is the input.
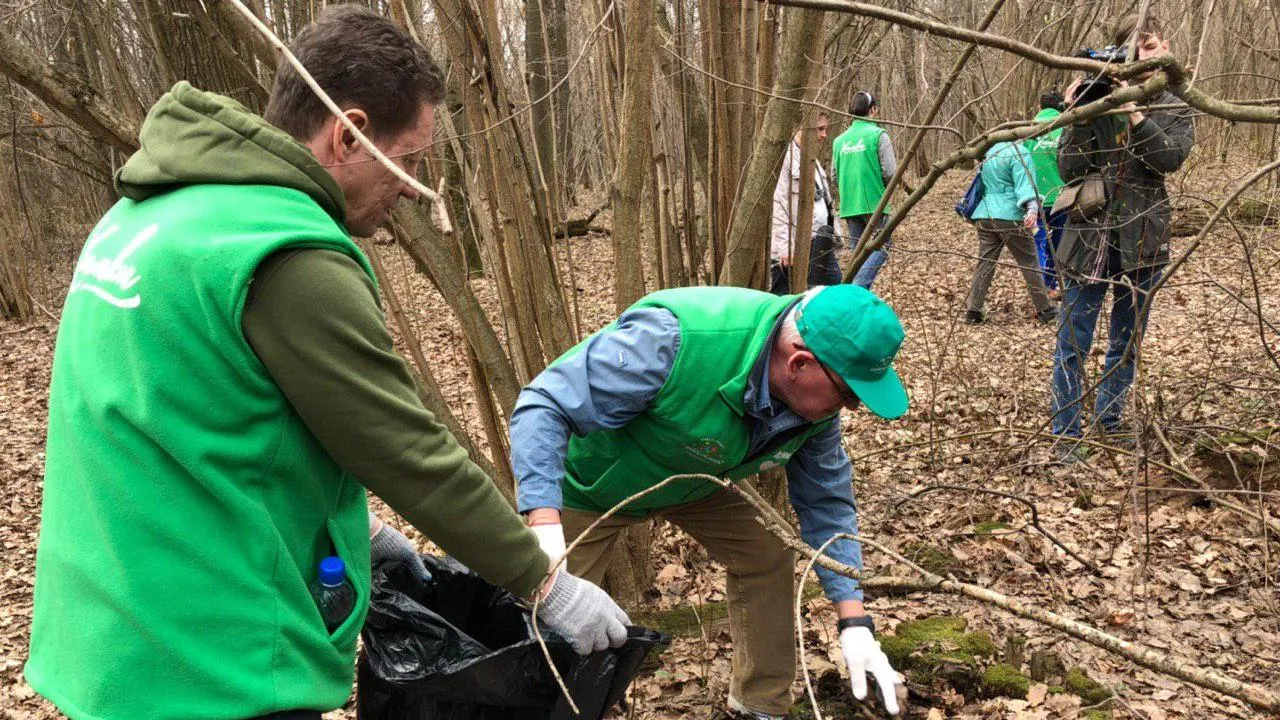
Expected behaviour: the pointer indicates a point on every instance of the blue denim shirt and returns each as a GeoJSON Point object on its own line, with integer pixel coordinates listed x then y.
{"type": "Point", "coordinates": [615, 377]}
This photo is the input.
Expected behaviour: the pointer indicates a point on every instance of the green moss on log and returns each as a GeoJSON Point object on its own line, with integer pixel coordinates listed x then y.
{"type": "Point", "coordinates": [1002, 680]}
{"type": "Point", "coordinates": [1091, 691]}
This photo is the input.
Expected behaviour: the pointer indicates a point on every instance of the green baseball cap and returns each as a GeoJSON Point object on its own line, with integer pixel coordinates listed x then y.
{"type": "Point", "coordinates": [857, 335]}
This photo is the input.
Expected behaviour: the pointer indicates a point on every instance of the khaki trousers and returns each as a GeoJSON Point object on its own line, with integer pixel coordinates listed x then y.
{"type": "Point", "coordinates": [994, 236]}
{"type": "Point", "coordinates": [760, 587]}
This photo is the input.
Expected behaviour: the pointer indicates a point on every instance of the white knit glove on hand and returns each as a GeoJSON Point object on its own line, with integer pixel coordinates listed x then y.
{"type": "Point", "coordinates": [583, 614]}
{"type": "Point", "coordinates": [551, 540]}
{"type": "Point", "coordinates": [863, 655]}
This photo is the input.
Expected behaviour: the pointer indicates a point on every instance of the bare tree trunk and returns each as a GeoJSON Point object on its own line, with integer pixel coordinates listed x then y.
{"type": "Point", "coordinates": [803, 241]}
{"type": "Point", "coordinates": [634, 156]}
{"type": "Point", "coordinates": [521, 221]}
{"type": "Point", "coordinates": [689, 99]}
{"type": "Point", "coordinates": [607, 80]}
{"type": "Point", "coordinates": [630, 571]}
{"type": "Point", "coordinates": [192, 46]}
{"type": "Point", "coordinates": [542, 112]}
{"type": "Point", "coordinates": [801, 37]}
{"type": "Point", "coordinates": [412, 228]}
{"type": "Point", "coordinates": [693, 124]}
{"type": "Point", "coordinates": [674, 273]}
{"type": "Point", "coordinates": [766, 46]}
{"type": "Point", "coordinates": [77, 102]}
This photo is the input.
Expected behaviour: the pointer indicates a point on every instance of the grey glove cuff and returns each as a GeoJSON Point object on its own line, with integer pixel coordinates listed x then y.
{"type": "Point", "coordinates": [390, 544]}
{"type": "Point", "coordinates": [384, 545]}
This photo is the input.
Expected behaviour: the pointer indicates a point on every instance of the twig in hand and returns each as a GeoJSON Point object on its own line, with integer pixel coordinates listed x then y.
{"type": "Point", "coordinates": [537, 597]}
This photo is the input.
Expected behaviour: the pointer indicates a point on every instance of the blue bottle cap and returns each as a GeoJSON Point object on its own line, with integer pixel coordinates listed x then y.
{"type": "Point", "coordinates": [332, 571]}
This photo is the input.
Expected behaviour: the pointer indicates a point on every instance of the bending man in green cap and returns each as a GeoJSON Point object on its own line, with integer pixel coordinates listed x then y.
{"type": "Point", "coordinates": [727, 382]}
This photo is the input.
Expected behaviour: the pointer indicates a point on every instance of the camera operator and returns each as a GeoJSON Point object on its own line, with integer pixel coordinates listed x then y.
{"type": "Point", "coordinates": [1123, 244]}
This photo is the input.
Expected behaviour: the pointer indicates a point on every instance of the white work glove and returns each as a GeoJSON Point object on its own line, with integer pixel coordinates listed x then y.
{"type": "Point", "coordinates": [863, 655]}
{"type": "Point", "coordinates": [583, 614]}
{"type": "Point", "coordinates": [390, 544]}
{"type": "Point", "coordinates": [551, 540]}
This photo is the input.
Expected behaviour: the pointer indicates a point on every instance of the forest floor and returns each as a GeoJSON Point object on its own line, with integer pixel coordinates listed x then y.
{"type": "Point", "coordinates": [1175, 570]}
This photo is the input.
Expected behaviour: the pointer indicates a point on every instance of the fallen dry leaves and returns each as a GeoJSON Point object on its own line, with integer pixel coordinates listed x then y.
{"type": "Point", "coordinates": [1177, 573]}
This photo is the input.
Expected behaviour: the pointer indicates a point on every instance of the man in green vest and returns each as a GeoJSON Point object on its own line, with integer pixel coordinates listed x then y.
{"type": "Point", "coordinates": [1044, 158]}
{"type": "Point", "coordinates": [724, 382]}
{"type": "Point", "coordinates": [224, 390]}
{"type": "Point", "coordinates": [863, 162]}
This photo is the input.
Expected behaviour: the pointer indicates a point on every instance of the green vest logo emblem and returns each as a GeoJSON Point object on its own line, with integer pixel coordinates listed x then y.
{"type": "Point", "coordinates": [707, 449]}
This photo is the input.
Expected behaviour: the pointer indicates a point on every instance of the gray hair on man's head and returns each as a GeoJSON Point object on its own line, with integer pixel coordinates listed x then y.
{"type": "Point", "coordinates": [790, 334]}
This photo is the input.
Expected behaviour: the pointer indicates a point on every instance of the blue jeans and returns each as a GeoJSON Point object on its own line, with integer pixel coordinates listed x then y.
{"type": "Point", "coordinates": [1047, 242]}
{"type": "Point", "coordinates": [1077, 321]}
{"type": "Point", "coordinates": [867, 273]}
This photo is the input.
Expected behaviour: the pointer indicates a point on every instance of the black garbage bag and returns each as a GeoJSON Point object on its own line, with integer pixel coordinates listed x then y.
{"type": "Point", "coordinates": [457, 647]}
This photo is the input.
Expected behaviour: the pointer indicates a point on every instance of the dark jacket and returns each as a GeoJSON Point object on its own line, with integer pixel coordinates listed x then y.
{"type": "Point", "coordinates": [1134, 162]}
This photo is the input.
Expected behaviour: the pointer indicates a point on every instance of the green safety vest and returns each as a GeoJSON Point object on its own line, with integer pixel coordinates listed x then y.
{"type": "Point", "coordinates": [186, 506]}
{"type": "Point", "coordinates": [1044, 158]}
{"type": "Point", "coordinates": [696, 423]}
{"type": "Point", "coordinates": [855, 158]}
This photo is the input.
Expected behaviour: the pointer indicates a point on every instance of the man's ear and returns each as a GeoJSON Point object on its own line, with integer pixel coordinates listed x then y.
{"type": "Point", "coordinates": [343, 142]}
{"type": "Point", "coordinates": [799, 360]}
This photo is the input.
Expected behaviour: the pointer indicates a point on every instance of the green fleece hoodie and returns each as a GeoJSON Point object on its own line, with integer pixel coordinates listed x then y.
{"type": "Point", "coordinates": [191, 486]}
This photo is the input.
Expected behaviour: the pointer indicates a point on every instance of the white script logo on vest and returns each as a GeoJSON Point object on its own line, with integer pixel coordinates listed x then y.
{"type": "Point", "coordinates": [111, 278]}
{"type": "Point", "coordinates": [1046, 143]}
{"type": "Point", "coordinates": [856, 147]}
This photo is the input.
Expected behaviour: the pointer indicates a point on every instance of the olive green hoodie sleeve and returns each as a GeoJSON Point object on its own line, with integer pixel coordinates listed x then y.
{"type": "Point", "coordinates": [313, 319]}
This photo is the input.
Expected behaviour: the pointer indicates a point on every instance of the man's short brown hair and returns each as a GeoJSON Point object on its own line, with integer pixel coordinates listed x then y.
{"type": "Point", "coordinates": [361, 60]}
{"type": "Point", "coordinates": [1124, 28]}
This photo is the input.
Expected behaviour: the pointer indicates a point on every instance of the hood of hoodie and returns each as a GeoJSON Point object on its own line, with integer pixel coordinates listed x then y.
{"type": "Point", "coordinates": [1047, 115]}
{"type": "Point", "coordinates": [193, 137]}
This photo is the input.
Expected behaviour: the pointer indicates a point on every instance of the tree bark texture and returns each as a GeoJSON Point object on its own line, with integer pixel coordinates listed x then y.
{"type": "Point", "coordinates": [631, 175]}
{"type": "Point", "coordinates": [749, 229]}
{"type": "Point", "coordinates": [78, 101]}
{"type": "Point", "coordinates": [523, 230]}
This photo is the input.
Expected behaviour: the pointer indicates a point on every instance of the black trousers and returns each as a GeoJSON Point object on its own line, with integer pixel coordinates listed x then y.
{"type": "Point", "coordinates": [824, 268]}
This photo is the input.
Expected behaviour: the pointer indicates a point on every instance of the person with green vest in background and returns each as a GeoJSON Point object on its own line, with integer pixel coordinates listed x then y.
{"type": "Point", "coordinates": [725, 382]}
{"type": "Point", "coordinates": [225, 389]}
{"type": "Point", "coordinates": [863, 162]}
{"type": "Point", "coordinates": [1044, 156]}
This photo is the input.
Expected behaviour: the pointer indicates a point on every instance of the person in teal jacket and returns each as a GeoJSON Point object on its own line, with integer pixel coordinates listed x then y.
{"type": "Point", "coordinates": [1005, 218]}
{"type": "Point", "coordinates": [1044, 155]}
{"type": "Point", "coordinates": [225, 389]}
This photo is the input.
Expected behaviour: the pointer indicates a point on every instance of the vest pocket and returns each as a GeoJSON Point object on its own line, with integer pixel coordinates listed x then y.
{"type": "Point", "coordinates": [344, 637]}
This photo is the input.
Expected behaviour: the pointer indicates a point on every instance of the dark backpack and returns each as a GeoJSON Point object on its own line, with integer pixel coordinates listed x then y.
{"type": "Point", "coordinates": [968, 204]}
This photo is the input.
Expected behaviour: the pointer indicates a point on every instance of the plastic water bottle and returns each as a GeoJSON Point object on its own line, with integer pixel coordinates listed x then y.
{"type": "Point", "coordinates": [333, 592]}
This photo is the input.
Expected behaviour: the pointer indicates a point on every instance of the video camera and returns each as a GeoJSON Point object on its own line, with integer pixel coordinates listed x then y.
{"type": "Point", "coordinates": [1096, 87]}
